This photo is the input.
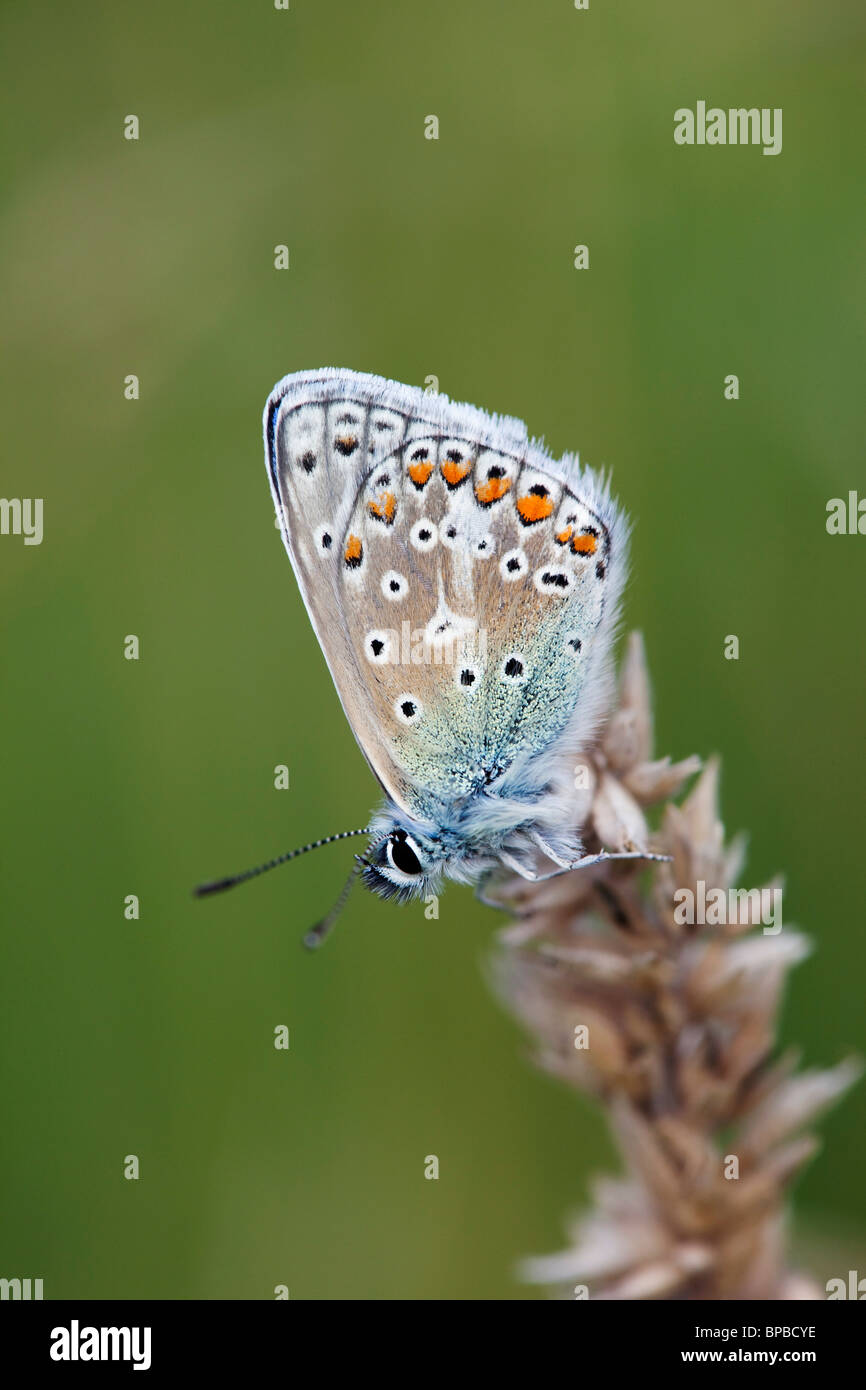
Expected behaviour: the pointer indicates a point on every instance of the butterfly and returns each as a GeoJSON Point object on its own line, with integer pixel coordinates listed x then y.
{"type": "Point", "coordinates": [464, 586]}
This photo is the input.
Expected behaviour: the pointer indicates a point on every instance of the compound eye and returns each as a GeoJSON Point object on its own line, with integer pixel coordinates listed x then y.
{"type": "Point", "coordinates": [402, 856]}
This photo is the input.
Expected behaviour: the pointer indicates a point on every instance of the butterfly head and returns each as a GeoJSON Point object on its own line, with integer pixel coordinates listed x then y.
{"type": "Point", "coordinates": [402, 863]}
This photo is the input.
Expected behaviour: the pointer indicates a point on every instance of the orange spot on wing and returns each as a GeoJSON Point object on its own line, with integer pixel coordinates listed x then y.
{"type": "Point", "coordinates": [584, 544]}
{"type": "Point", "coordinates": [534, 508]}
{"type": "Point", "coordinates": [492, 490]}
{"type": "Point", "coordinates": [354, 551]}
{"type": "Point", "coordinates": [420, 472]}
{"type": "Point", "coordinates": [563, 537]}
{"type": "Point", "coordinates": [383, 507]}
{"type": "Point", "coordinates": [454, 473]}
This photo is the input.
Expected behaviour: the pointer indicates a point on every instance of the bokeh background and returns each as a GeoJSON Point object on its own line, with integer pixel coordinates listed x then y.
{"type": "Point", "coordinates": [408, 257]}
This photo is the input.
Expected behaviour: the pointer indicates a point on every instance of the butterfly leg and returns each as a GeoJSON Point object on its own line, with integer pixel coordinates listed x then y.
{"type": "Point", "coordinates": [549, 852]}
{"type": "Point", "coordinates": [514, 864]}
{"type": "Point", "coordinates": [564, 866]}
{"type": "Point", "coordinates": [483, 897]}
{"type": "Point", "coordinates": [587, 860]}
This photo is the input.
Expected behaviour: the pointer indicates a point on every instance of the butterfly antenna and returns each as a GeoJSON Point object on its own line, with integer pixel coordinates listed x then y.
{"type": "Point", "coordinates": [316, 935]}
{"type": "Point", "coordinates": [220, 885]}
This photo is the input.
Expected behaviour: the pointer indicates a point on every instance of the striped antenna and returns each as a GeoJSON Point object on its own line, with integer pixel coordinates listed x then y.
{"type": "Point", "coordinates": [220, 885]}
{"type": "Point", "coordinates": [316, 935]}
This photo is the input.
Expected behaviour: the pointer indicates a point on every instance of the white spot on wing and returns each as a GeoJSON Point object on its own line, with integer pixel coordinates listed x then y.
{"type": "Point", "coordinates": [424, 535]}
{"type": "Point", "coordinates": [407, 708]}
{"type": "Point", "coordinates": [377, 646]}
{"type": "Point", "coordinates": [467, 677]}
{"type": "Point", "coordinates": [552, 579]}
{"type": "Point", "coordinates": [513, 565]}
{"type": "Point", "coordinates": [394, 586]}
{"type": "Point", "coordinates": [513, 670]}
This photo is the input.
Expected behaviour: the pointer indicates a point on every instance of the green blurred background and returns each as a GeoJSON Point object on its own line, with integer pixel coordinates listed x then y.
{"type": "Point", "coordinates": [408, 257]}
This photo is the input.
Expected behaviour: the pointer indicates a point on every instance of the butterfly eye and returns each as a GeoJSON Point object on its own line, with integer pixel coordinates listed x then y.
{"type": "Point", "coordinates": [402, 856]}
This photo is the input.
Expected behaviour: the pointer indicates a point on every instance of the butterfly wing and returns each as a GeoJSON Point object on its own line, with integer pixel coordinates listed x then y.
{"type": "Point", "coordinates": [324, 431]}
{"type": "Point", "coordinates": [459, 580]}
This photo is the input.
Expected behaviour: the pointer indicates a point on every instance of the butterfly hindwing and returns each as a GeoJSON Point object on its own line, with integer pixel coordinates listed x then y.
{"type": "Point", "coordinates": [474, 584]}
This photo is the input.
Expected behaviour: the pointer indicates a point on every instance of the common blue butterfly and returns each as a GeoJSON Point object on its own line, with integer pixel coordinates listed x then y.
{"type": "Point", "coordinates": [464, 587]}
